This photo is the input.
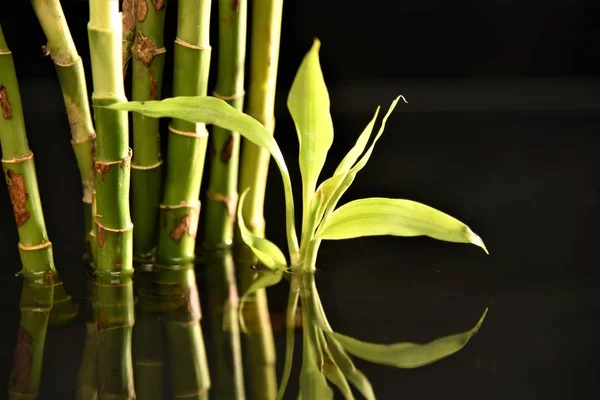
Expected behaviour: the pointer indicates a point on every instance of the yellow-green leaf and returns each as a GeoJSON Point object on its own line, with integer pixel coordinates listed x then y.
{"type": "Point", "coordinates": [381, 216]}
{"type": "Point", "coordinates": [264, 279]}
{"type": "Point", "coordinates": [266, 251]}
{"type": "Point", "coordinates": [408, 355]}
{"type": "Point", "coordinates": [308, 103]}
{"type": "Point", "coordinates": [313, 384]}
{"type": "Point", "coordinates": [211, 110]}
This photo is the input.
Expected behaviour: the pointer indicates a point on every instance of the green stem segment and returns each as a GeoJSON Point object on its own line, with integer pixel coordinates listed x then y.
{"type": "Point", "coordinates": [129, 14]}
{"type": "Point", "coordinates": [148, 62]}
{"type": "Point", "coordinates": [221, 205]}
{"type": "Point", "coordinates": [114, 306]}
{"type": "Point", "coordinates": [259, 348]}
{"type": "Point", "coordinates": [35, 247]}
{"type": "Point", "coordinates": [71, 76]}
{"type": "Point", "coordinates": [180, 208]}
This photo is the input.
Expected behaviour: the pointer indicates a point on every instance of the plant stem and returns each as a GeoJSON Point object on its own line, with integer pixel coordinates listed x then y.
{"type": "Point", "coordinates": [221, 205]}
{"type": "Point", "coordinates": [87, 385]}
{"type": "Point", "coordinates": [148, 61]}
{"type": "Point", "coordinates": [34, 246]}
{"type": "Point", "coordinates": [180, 208]}
{"type": "Point", "coordinates": [71, 76]}
{"type": "Point", "coordinates": [259, 347]}
{"type": "Point", "coordinates": [114, 307]}
{"type": "Point", "coordinates": [129, 13]}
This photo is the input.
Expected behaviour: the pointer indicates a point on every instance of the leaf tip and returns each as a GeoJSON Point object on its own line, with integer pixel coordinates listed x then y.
{"type": "Point", "coordinates": [477, 241]}
{"type": "Point", "coordinates": [316, 44]}
{"type": "Point", "coordinates": [480, 322]}
{"type": "Point", "coordinates": [403, 98]}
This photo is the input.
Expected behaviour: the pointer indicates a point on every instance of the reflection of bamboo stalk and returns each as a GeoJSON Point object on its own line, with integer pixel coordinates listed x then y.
{"type": "Point", "coordinates": [86, 376]}
{"type": "Point", "coordinates": [176, 288]}
{"type": "Point", "coordinates": [225, 346]}
{"type": "Point", "coordinates": [148, 338]}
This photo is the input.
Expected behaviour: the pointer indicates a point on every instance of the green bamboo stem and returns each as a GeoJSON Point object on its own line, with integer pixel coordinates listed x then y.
{"type": "Point", "coordinates": [87, 384]}
{"type": "Point", "coordinates": [114, 306]}
{"type": "Point", "coordinates": [148, 340]}
{"type": "Point", "coordinates": [128, 16]}
{"type": "Point", "coordinates": [221, 205]}
{"type": "Point", "coordinates": [148, 62]}
{"type": "Point", "coordinates": [35, 247]}
{"type": "Point", "coordinates": [180, 208]}
{"type": "Point", "coordinates": [175, 286]}
{"type": "Point", "coordinates": [69, 69]}
{"type": "Point", "coordinates": [259, 347]}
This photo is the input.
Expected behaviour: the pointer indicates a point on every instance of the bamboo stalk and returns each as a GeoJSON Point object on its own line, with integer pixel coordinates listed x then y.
{"type": "Point", "coordinates": [148, 62]}
{"type": "Point", "coordinates": [114, 306]}
{"type": "Point", "coordinates": [69, 69]}
{"type": "Point", "coordinates": [180, 208]}
{"type": "Point", "coordinates": [129, 13]}
{"type": "Point", "coordinates": [35, 247]}
{"type": "Point", "coordinates": [221, 205]}
{"type": "Point", "coordinates": [87, 385]}
{"type": "Point", "coordinates": [259, 347]}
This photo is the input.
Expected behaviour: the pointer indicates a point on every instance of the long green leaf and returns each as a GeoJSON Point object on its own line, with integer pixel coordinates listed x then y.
{"type": "Point", "coordinates": [381, 216]}
{"type": "Point", "coordinates": [313, 384]}
{"type": "Point", "coordinates": [408, 355]}
{"type": "Point", "coordinates": [266, 251]}
{"type": "Point", "coordinates": [345, 364]}
{"type": "Point", "coordinates": [211, 110]}
{"type": "Point", "coordinates": [308, 103]}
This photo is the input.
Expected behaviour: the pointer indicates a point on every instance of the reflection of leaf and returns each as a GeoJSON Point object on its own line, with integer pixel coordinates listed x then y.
{"type": "Point", "coordinates": [264, 279]}
{"type": "Point", "coordinates": [308, 102]}
{"type": "Point", "coordinates": [381, 216]}
{"type": "Point", "coordinates": [408, 355]}
{"type": "Point", "coordinates": [266, 251]}
{"type": "Point", "coordinates": [313, 384]}
{"type": "Point", "coordinates": [345, 364]}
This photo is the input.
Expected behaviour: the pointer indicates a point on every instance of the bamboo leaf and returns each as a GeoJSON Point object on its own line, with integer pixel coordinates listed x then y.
{"type": "Point", "coordinates": [308, 103]}
{"type": "Point", "coordinates": [381, 216]}
{"type": "Point", "coordinates": [408, 355]}
{"type": "Point", "coordinates": [313, 384]}
{"type": "Point", "coordinates": [211, 110]}
{"type": "Point", "coordinates": [345, 364]}
{"type": "Point", "coordinates": [266, 251]}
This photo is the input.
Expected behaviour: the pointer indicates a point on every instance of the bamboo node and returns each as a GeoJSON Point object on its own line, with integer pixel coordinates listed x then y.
{"type": "Point", "coordinates": [126, 229]}
{"type": "Point", "coordinates": [58, 61]}
{"type": "Point", "coordinates": [36, 247]}
{"type": "Point", "coordinates": [195, 394]}
{"type": "Point", "coordinates": [91, 136]}
{"type": "Point", "coordinates": [5, 52]}
{"type": "Point", "coordinates": [17, 160]}
{"type": "Point", "coordinates": [229, 201]}
{"type": "Point", "coordinates": [234, 96]}
{"type": "Point", "coordinates": [200, 132]}
{"type": "Point", "coordinates": [146, 167]}
{"type": "Point", "coordinates": [183, 43]}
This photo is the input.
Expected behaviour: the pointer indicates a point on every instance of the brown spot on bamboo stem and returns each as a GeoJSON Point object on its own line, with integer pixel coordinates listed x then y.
{"type": "Point", "coordinates": [49, 276]}
{"type": "Point", "coordinates": [5, 103]}
{"type": "Point", "coordinates": [102, 321]}
{"type": "Point", "coordinates": [227, 20]}
{"type": "Point", "coordinates": [153, 87]}
{"type": "Point", "coordinates": [235, 6]}
{"type": "Point", "coordinates": [181, 228]}
{"type": "Point", "coordinates": [128, 17]}
{"type": "Point", "coordinates": [143, 49]}
{"type": "Point", "coordinates": [227, 149]}
{"type": "Point", "coordinates": [158, 4]}
{"type": "Point", "coordinates": [100, 235]}
{"type": "Point", "coordinates": [102, 169]}
{"type": "Point", "coordinates": [18, 196]}
{"type": "Point", "coordinates": [142, 10]}
{"type": "Point", "coordinates": [21, 367]}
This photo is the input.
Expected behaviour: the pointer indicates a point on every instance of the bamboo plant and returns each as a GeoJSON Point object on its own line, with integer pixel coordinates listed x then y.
{"type": "Point", "coordinates": [113, 227]}
{"type": "Point", "coordinates": [258, 345]}
{"type": "Point", "coordinates": [180, 209]}
{"type": "Point", "coordinates": [148, 56]}
{"type": "Point", "coordinates": [228, 378]}
{"type": "Point", "coordinates": [35, 247]}
{"type": "Point", "coordinates": [128, 17]}
{"type": "Point", "coordinates": [326, 353]}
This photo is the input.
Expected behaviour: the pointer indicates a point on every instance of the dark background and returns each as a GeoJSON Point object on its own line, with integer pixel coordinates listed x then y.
{"type": "Point", "coordinates": [500, 129]}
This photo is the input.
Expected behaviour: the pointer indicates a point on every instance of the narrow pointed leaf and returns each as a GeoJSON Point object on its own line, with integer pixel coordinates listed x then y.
{"type": "Point", "coordinates": [313, 384]}
{"type": "Point", "coordinates": [335, 376]}
{"type": "Point", "coordinates": [345, 364]}
{"type": "Point", "coordinates": [211, 110]}
{"type": "Point", "coordinates": [266, 251]}
{"type": "Point", "coordinates": [381, 216]}
{"type": "Point", "coordinates": [408, 355]}
{"type": "Point", "coordinates": [264, 279]}
{"type": "Point", "coordinates": [355, 152]}
{"type": "Point", "coordinates": [308, 103]}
